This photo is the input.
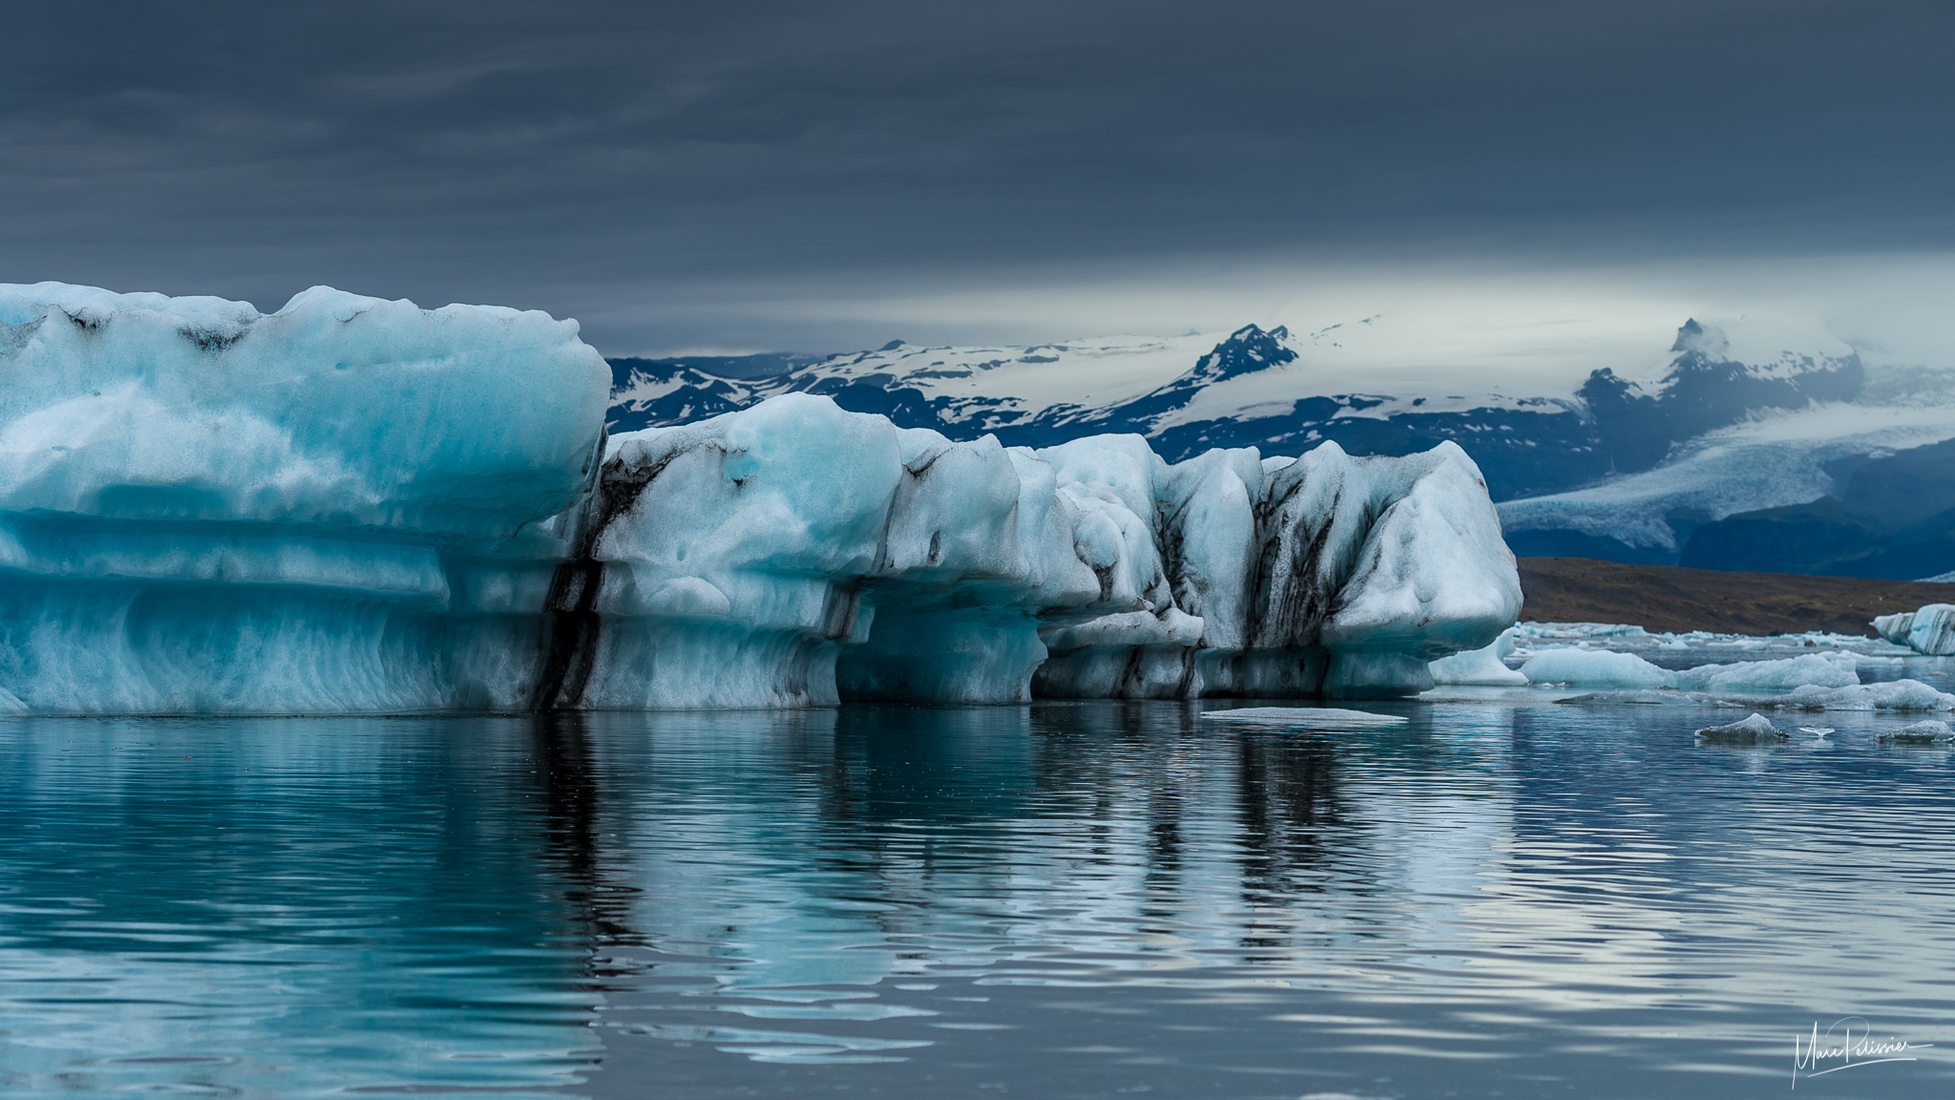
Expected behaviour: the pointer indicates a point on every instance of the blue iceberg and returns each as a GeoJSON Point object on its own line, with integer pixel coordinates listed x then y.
{"type": "Point", "coordinates": [361, 506]}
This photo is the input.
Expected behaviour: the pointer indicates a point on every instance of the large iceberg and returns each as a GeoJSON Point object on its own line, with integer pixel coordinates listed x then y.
{"type": "Point", "coordinates": [1930, 630]}
{"type": "Point", "coordinates": [359, 505]}
{"type": "Point", "coordinates": [795, 553]}
{"type": "Point", "coordinates": [346, 505]}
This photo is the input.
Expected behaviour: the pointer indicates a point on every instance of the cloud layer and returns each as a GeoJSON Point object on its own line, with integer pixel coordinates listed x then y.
{"type": "Point", "coordinates": [774, 173]}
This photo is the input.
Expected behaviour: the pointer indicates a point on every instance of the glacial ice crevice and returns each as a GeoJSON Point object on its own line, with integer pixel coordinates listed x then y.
{"type": "Point", "coordinates": [352, 505]}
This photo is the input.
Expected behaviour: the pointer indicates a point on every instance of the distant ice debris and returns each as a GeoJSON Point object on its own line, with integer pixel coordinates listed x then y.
{"type": "Point", "coordinates": [1755, 730]}
{"type": "Point", "coordinates": [354, 505]}
{"type": "Point", "coordinates": [1888, 695]}
{"type": "Point", "coordinates": [1929, 630]}
{"type": "Point", "coordinates": [1304, 717]}
{"type": "Point", "coordinates": [1928, 731]}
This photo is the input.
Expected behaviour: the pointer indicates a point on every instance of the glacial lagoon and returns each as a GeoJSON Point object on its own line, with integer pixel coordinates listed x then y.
{"type": "Point", "coordinates": [1500, 897]}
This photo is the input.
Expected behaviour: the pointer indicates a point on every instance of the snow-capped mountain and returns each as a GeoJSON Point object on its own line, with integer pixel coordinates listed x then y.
{"type": "Point", "coordinates": [1614, 445]}
{"type": "Point", "coordinates": [1540, 416]}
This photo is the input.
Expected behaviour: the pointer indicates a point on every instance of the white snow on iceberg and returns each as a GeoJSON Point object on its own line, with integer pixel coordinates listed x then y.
{"type": "Point", "coordinates": [360, 505]}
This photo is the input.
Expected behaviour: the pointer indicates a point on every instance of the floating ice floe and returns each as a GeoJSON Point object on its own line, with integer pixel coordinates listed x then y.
{"type": "Point", "coordinates": [1592, 668]}
{"type": "Point", "coordinates": [1928, 731]}
{"type": "Point", "coordinates": [1482, 667]}
{"type": "Point", "coordinates": [1755, 730]}
{"type": "Point", "coordinates": [354, 505]}
{"type": "Point", "coordinates": [1605, 669]}
{"type": "Point", "coordinates": [1330, 718]}
{"type": "Point", "coordinates": [1929, 630]}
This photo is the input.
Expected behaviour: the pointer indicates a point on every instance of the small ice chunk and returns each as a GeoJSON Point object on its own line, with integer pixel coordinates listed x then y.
{"type": "Point", "coordinates": [1325, 718]}
{"type": "Point", "coordinates": [1755, 730]}
{"type": "Point", "coordinates": [1928, 731]}
{"type": "Point", "coordinates": [1900, 695]}
{"type": "Point", "coordinates": [1480, 667]}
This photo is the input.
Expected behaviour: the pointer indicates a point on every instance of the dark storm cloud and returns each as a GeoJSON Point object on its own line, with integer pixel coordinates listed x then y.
{"type": "Point", "coordinates": [650, 167]}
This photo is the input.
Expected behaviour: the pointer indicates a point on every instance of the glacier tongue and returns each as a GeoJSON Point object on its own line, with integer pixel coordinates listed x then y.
{"type": "Point", "coordinates": [360, 505]}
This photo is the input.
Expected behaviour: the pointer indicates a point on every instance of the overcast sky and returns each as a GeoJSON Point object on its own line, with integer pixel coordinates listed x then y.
{"type": "Point", "coordinates": [827, 175]}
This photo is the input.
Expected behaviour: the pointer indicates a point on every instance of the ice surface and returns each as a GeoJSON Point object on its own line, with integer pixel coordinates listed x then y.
{"type": "Point", "coordinates": [1328, 718]}
{"type": "Point", "coordinates": [341, 506]}
{"type": "Point", "coordinates": [1929, 630]}
{"type": "Point", "coordinates": [1755, 730]}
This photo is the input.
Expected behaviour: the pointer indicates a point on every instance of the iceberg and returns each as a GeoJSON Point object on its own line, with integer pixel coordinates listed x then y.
{"type": "Point", "coordinates": [1929, 631]}
{"type": "Point", "coordinates": [908, 567]}
{"type": "Point", "coordinates": [1483, 667]}
{"type": "Point", "coordinates": [1593, 668]}
{"type": "Point", "coordinates": [1928, 731]}
{"type": "Point", "coordinates": [347, 505]}
{"type": "Point", "coordinates": [355, 505]}
{"type": "Point", "coordinates": [1600, 669]}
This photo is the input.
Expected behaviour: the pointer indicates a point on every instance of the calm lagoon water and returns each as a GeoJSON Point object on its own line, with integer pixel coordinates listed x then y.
{"type": "Point", "coordinates": [1501, 898]}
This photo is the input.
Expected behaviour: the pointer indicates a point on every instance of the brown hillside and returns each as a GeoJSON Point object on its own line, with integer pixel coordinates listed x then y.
{"type": "Point", "coordinates": [1668, 598]}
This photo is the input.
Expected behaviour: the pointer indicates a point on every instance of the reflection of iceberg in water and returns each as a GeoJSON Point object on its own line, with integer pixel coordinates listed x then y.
{"type": "Point", "coordinates": [864, 857]}
{"type": "Point", "coordinates": [348, 914]}
{"type": "Point", "coordinates": [327, 905]}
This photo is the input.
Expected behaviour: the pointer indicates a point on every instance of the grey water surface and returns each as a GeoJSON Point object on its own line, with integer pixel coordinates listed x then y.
{"type": "Point", "coordinates": [1502, 897]}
